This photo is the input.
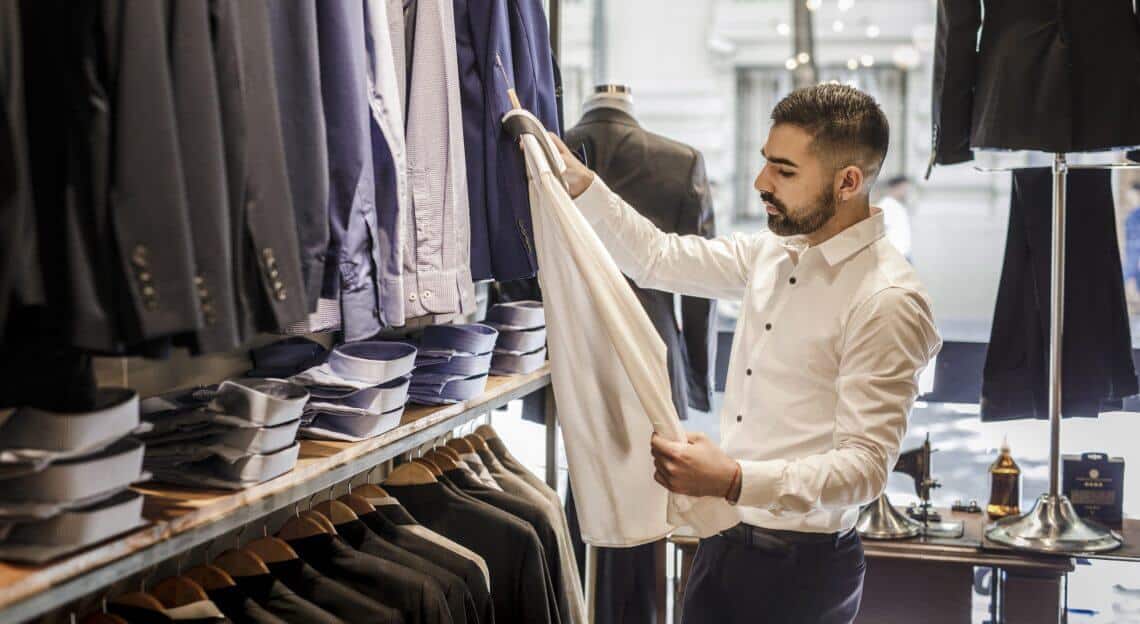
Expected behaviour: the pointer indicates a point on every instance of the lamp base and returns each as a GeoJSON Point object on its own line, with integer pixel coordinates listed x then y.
{"type": "Point", "coordinates": [1053, 526]}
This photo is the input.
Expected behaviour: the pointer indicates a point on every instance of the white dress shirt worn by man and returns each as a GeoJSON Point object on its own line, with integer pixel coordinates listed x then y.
{"type": "Point", "coordinates": [825, 359]}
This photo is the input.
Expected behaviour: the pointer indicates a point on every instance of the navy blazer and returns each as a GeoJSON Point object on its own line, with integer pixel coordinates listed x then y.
{"type": "Point", "coordinates": [502, 44]}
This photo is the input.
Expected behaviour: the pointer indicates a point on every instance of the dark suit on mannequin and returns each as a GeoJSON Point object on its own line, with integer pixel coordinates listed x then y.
{"type": "Point", "coordinates": [665, 181]}
{"type": "Point", "coordinates": [1048, 76]}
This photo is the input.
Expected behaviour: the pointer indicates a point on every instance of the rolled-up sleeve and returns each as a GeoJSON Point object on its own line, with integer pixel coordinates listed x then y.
{"type": "Point", "coordinates": [889, 340]}
{"type": "Point", "coordinates": [716, 268]}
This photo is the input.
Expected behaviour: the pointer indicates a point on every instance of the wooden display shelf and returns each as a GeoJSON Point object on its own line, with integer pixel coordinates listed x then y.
{"type": "Point", "coordinates": [181, 519]}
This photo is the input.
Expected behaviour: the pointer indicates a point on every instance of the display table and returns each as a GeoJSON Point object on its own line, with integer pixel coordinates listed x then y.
{"type": "Point", "coordinates": [931, 580]}
{"type": "Point", "coordinates": [181, 519]}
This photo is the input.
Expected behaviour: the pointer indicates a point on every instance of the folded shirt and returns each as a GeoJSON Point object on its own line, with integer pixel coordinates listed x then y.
{"type": "Point", "coordinates": [246, 402]}
{"type": "Point", "coordinates": [460, 364]}
{"type": "Point", "coordinates": [446, 389]}
{"type": "Point", "coordinates": [377, 399]}
{"type": "Point", "coordinates": [72, 483]}
{"type": "Point", "coordinates": [517, 315]}
{"type": "Point", "coordinates": [31, 438]}
{"type": "Point", "coordinates": [521, 340]}
{"type": "Point", "coordinates": [72, 530]}
{"type": "Point", "coordinates": [216, 472]}
{"type": "Point", "coordinates": [348, 426]}
{"type": "Point", "coordinates": [513, 363]}
{"type": "Point", "coordinates": [361, 365]}
{"type": "Point", "coordinates": [471, 338]}
{"type": "Point", "coordinates": [231, 445]}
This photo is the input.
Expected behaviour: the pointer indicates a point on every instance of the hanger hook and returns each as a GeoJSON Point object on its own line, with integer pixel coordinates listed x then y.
{"type": "Point", "coordinates": [309, 507]}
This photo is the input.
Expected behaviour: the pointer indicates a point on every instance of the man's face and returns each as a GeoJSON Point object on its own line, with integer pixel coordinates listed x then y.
{"type": "Point", "coordinates": [795, 185]}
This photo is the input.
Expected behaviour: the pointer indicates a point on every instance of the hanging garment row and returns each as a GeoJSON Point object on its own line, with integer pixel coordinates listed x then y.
{"type": "Point", "coordinates": [464, 534]}
{"type": "Point", "coordinates": [194, 173]}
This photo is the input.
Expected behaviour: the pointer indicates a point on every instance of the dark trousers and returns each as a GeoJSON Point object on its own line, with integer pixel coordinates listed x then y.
{"type": "Point", "coordinates": [776, 582]}
{"type": "Point", "coordinates": [1097, 345]}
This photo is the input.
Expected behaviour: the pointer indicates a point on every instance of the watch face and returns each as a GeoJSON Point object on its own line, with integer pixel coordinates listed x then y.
{"type": "Point", "coordinates": [1094, 474]}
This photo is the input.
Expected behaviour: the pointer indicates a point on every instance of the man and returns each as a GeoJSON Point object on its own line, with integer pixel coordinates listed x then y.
{"type": "Point", "coordinates": [834, 331]}
{"type": "Point", "coordinates": [895, 214]}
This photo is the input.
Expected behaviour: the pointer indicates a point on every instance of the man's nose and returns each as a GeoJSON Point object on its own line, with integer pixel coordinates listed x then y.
{"type": "Point", "coordinates": [761, 183]}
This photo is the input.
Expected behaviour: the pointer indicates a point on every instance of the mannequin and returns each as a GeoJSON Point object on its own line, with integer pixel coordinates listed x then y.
{"type": "Point", "coordinates": [610, 96]}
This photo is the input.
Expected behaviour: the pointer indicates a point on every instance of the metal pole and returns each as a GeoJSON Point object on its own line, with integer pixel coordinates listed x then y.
{"type": "Point", "coordinates": [1052, 525]}
{"type": "Point", "coordinates": [1057, 321]}
{"type": "Point", "coordinates": [591, 583]}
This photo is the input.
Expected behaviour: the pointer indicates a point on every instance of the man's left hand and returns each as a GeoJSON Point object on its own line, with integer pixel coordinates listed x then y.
{"type": "Point", "coordinates": [695, 467]}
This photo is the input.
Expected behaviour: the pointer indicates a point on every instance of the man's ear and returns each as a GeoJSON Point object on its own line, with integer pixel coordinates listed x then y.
{"type": "Point", "coordinates": [848, 182]}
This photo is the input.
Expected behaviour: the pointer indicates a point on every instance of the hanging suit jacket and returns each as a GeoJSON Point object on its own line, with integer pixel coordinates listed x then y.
{"type": "Point", "coordinates": [241, 609]}
{"type": "Point", "coordinates": [340, 600]}
{"type": "Point", "coordinates": [20, 281]}
{"type": "Point", "coordinates": [1050, 76]}
{"type": "Point", "coordinates": [281, 601]}
{"type": "Point", "coordinates": [510, 547]}
{"type": "Point", "coordinates": [120, 267]}
{"type": "Point", "coordinates": [198, 113]}
{"type": "Point", "coordinates": [665, 181]}
{"type": "Point", "coordinates": [459, 601]}
{"type": "Point", "coordinates": [418, 598]}
{"type": "Point", "coordinates": [293, 30]}
{"type": "Point", "coordinates": [266, 258]}
{"type": "Point", "coordinates": [465, 569]}
{"type": "Point", "coordinates": [467, 484]}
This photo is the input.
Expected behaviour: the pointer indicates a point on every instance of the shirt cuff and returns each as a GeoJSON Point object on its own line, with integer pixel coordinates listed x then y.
{"type": "Point", "coordinates": [594, 202]}
{"type": "Point", "coordinates": [760, 483]}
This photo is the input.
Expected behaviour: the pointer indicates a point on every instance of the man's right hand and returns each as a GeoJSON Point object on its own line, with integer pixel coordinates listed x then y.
{"type": "Point", "coordinates": [578, 177]}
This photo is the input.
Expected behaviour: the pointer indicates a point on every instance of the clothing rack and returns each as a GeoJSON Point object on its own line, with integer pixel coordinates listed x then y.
{"type": "Point", "coordinates": [181, 520]}
{"type": "Point", "coordinates": [1052, 525]}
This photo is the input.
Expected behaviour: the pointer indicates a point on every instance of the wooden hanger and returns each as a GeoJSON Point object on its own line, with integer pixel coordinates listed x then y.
{"type": "Point", "coordinates": [271, 549]}
{"type": "Point", "coordinates": [448, 451]}
{"type": "Point", "coordinates": [320, 519]}
{"type": "Point", "coordinates": [104, 618]}
{"type": "Point", "coordinates": [430, 465]}
{"type": "Point", "coordinates": [337, 512]}
{"type": "Point", "coordinates": [177, 591]}
{"type": "Point", "coordinates": [487, 432]}
{"type": "Point", "coordinates": [210, 577]}
{"type": "Point", "coordinates": [237, 562]}
{"type": "Point", "coordinates": [410, 473]}
{"type": "Point", "coordinates": [299, 527]}
{"type": "Point", "coordinates": [357, 503]}
{"type": "Point", "coordinates": [443, 460]}
{"type": "Point", "coordinates": [479, 444]}
{"type": "Point", "coordinates": [139, 600]}
{"type": "Point", "coordinates": [463, 447]}
{"type": "Point", "coordinates": [370, 490]}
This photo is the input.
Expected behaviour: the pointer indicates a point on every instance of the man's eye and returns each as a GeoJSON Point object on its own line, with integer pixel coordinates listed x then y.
{"type": "Point", "coordinates": [786, 174]}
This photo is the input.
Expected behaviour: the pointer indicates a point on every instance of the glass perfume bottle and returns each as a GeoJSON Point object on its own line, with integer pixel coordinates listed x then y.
{"type": "Point", "coordinates": [1005, 486]}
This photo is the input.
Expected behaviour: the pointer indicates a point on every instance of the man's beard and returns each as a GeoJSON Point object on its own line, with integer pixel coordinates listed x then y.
{"type": "Point", "coordinates": [784, 224]}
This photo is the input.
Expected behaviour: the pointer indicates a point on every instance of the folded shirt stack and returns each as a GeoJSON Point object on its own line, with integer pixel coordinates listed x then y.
{"type": "Point", "coordinates": [521, 348]}
{"type": "Point", "coordinates": [230, 436]}
{"type": "Point", "coordinates": [453, 363]}
{"type": "Point", "coordinates": [359, 392]}
{"type": "Point", "coordinates": [65, 477]}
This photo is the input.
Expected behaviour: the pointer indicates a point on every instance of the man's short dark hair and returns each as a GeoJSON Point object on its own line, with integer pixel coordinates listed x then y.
{"type": "Point", "coordinates": [847, 125]}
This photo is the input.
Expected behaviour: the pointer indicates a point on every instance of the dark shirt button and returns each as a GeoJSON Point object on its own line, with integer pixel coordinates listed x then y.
{"type": "Point", "coordinates": [739, 418]}
{"type": "Point", "coordinates": [768, 326]}
{"type": "Point", "coordinates": [792, 281]}
{"type": "Point", "coordinates": [748, 372]}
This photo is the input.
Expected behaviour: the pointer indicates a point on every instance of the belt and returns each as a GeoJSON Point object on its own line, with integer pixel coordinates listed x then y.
{"type": "Point", "coordinates": [517, 315]}
{"type": "Point", "coordinates": [749, 535]}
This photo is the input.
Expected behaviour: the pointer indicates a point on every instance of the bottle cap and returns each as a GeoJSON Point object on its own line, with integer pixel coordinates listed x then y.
{"type": "Point", "coordinates": [1005, 444]}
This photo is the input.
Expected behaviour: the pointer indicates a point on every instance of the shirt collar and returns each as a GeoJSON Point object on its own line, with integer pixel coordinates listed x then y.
{"type": "Point", "coordinates": [846, 243]}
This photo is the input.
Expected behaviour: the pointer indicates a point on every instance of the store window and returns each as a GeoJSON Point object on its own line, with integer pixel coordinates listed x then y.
{"type": "Point", "coordinates": [708, 72]}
